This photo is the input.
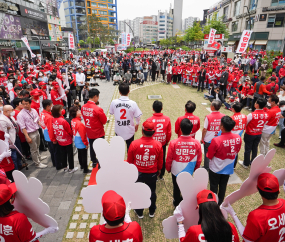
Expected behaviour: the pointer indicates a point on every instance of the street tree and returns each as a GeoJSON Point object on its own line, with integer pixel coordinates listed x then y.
{"type": "Point", "coordinates": [217, 24]}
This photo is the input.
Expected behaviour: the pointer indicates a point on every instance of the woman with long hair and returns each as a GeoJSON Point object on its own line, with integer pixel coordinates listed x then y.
{"type": "Point", "coordinates": [212, 226]}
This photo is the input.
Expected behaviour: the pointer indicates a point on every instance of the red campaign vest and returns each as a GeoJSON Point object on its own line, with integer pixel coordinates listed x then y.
{"type": "Point", "coordinates": [240, 120]}
{"type": "Point", "coordinates": [62, 136]}
{"type": "Point", "coordinates": [214, 120]}
{"type": "Point", "coordinates": [36, 106]}
{"type": "Point", "coordinates": [255, 126]}
{"type": "Point", "coordinates": [54, 95]}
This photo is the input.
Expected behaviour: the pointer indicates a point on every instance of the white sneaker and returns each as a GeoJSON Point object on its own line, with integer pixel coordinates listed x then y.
{"type": "Point", "coordinates": [279, 137]}
{"type": "Point", "coordinates": [43, 158]}
{"type": "Point", "coordinates": [241, 163]}
{"type": "Point", "coordinates": [250, 109]}
{"type": "Point", "coordinates": [73, 170]}
{"type": "Point", "coordinates": [41, 166]}
{"type": "Point", "coordinates": [245, 107]}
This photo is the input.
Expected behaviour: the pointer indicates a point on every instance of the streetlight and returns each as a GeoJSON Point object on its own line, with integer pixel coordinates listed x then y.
{"type": "Point", "coordinates": [249, 16]}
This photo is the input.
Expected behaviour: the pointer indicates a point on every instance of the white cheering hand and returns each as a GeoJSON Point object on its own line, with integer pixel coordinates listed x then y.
{"type": "Point", "coordinates": [178, 214]}
{"type": "Point", "coordinates": [128, 209]}
{"type": "Point", "coordinates": [51, 230]}
{"type": "Point", "coordinates": [8, 153]}
{"type": "Point", "coordinates": [7, 136]}
{"type": "Point", "coordinates": [229, 209]}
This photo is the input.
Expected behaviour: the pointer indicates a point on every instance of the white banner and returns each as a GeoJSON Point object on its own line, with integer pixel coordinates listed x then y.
{"type": "Point", "coordinates": [126, 38]}
{"type": "Point", "coordinates": [244, 40]}
{"type": "Point", "coordinates": [212, 36]}
{"type": "Point", "coordinates": [71, 41]}
{"type": "Point", "coordinates": [25, 40]}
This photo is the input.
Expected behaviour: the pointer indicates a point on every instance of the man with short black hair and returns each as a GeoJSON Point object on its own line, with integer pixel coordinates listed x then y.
{"type": "Point", "coordinates": [80, 81]}
{"type": "Point", "coordinates": [125, 111]}
{"type": "Point", "coordinates": [95, 119]}
{"type": "Point", "coordinates": [184, 155]}
{"type": "Point", "coordinates": [254, 128]}
{"type": "Point", "coordinates": [222, 153]}
{"type": "Point", "coordinates": [147, 155]}
{"type": "Point", "coordinates": [259, 91]}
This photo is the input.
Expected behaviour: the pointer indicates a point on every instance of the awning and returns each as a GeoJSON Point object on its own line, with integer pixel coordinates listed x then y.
{"type": "Point", "coordinates": [49, 50]}
{"type": "Point", "coordinates": [251, 42]}
{"type": "Point", "coordinates": [261, 42]}
{"type": "Point", "coordinates": [231, 42]}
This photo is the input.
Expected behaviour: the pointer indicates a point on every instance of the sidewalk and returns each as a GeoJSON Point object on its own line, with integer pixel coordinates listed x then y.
{"type": "Point", "coordinates": [61, 190]}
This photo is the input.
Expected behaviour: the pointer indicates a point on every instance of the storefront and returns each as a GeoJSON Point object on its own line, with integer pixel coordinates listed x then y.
{"type": "Point", "coordinates": [6, 49]}
{"type": "Point", "coordinates": [48, 49]}
{"type": "Point", "coordinates": [22, 51]}
{"type": "Point", "coordinates": [234, 40]}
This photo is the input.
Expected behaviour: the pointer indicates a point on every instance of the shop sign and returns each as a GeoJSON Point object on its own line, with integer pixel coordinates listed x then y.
{"type": "Point", "coordinates": [46, 45]}
{"type": "Point", "coordinates": [217, 36]}
{"type": "Point", "coordinates": [32, 28]}
{"type": "Point", "coordinates": [6, 43]}
{"type": "Point", "coordinates": [10, 27]}
{"type": "Point", "coordinates": [269, 9]}
{"type": "Point", "coordinates": [31, 13]}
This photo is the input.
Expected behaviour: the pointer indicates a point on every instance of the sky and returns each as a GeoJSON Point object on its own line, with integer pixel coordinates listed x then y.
{"type": "Point", "coordinates": [130, 9]}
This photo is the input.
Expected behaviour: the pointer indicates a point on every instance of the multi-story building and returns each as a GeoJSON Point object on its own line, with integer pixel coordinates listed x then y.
{"type": "Point", "coordinates": [148, 29]}
{"type": "Point", "coordinates": [136, 25]}
{"type": "Point", "coordinates": [266, 18]}
{"type": "Point", "coordinates": [165, 24]}
{"type": "Point", "coordinates": [75, 12]}
{"type": "Point", "coordinates": [189, 22]}
{"type": "Point", "coordinates": [177, 21]}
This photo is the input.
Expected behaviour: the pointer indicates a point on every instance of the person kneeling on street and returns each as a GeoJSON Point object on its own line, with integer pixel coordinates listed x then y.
{"type": "Point", "coordinates": [140, 78]}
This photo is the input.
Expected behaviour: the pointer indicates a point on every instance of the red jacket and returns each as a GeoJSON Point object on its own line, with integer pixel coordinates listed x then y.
{"type": "Point", "coordinates": [146, 154]}
{"type": "Point", "coordinates": [282, 72]}
{"type": "Point", "coordinates": [255, 122]}
{"type": "Point", "coordinates": [79, 132]}
{"type": "Point", "coordinates": [95, 119]}
{"type": "Point", "coordinates": [272, 87]}
{"type": "Point", "coordinates": [36, 106]}
{"type": "Point", "coordinates": [262, 89]}
{"type": "Point", "coordinates": [195, 120]}
{"type": "Point", "coordinates": [54, 95]}
{"type": "Point", "coordinates": [62, 131]}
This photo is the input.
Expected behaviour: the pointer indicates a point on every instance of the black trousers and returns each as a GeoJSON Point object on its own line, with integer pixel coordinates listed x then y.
{"type": "Point", "coordinates": [252, 103]}
{"type": "Point", "coordinates": [179, 78]}
{"type": "Point", "coordinates": [251, 146]}
{"type": "Point", "coordinates": [177, 198]}
{"type": "Point", "coordinates": [201, 83]}
{"type": "Point", "coordinates": [42, 139]}
{"type": "Point", "coordinates": [53, 152]}
{"type": "Point", "coordinates": [79, 93]}
{"type": "Point", "coordinates": [282, 141]}
{"type": "Point", "coordinates": [92, 152]}
{"type": "Point", "coordinates": [153, 75]}
{"type": "Point", "coordinates": [66, 153]}
{"type": "Point", "coordinates": [163, 74]}
{"type": "Point", "coordinates": [26, 149]}
{"type": "Point", "coordinates": [82, 157]}
{"type": "Point", "coordinates": [150, 180]}
{"type": "Point", "coordinates": [218, 182]}
{"type": "Point", "coordinates": [163, 166]}
{"type": "Point", "coordinates": [9, 175]}
{"type": "Point", "coordinates": [223, 89]}
{"type": "Point", "coordinates": [129, 141]}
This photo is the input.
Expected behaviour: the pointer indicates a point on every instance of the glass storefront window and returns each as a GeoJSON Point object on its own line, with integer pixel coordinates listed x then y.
{"type": "Point", "coordinates": [279, 20]}
{"type": "Point", "coordinates": [275, 45]}
{"type": "Point", "coordinates": [277, 2]}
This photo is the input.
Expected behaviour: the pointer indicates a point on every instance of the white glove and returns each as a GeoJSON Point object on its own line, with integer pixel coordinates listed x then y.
{"type": "Point", "coordinates": [5, 154]}
{"type": "Point", "coordinates": [127, 215]}
{"type": "Point", "coordinates": [7, 136]}
{"type": "Point", "coordinates": [229, 209]}
{"type": "Point", "coordinates": [49, 230]}
{"type": "Point", "coordinates": [67, 88]}
{"type": "Point", "coordinates": [178, 214]}
{"type": "Point", "coordinates": [62, 96]}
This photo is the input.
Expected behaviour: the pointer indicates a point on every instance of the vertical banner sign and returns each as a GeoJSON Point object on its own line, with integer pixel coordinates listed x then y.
{"type": "Point", "coordinates": [71, 41]}
{"type": "Point", "coordinates": [124, 38]}
{"type": "Point", "coordinates": [128, 39]}
{"type": "Point", "coordinates": [212, 36]}
{"type": "Point", "coordinates": [25, 40]}
{"type": "Point", "coordinates": [244, 40]}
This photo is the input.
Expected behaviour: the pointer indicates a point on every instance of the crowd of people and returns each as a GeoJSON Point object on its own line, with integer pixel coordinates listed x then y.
{"type": "Point", "coordinates": [55, 106]}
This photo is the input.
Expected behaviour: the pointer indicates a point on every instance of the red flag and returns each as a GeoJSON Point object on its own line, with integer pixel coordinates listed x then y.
{"type": "Point", "coordinates": [216, 45]}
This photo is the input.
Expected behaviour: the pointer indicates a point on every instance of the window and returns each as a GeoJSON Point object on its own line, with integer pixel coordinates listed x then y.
{"type": "Point", "coordinates": [100, 5]}
{"type": "Point", "coordinates": [226, 11]}
{"type": "Point", "coordinates": [103, 12]}
{"type": "Point", "coordinates": [234, 26]}
{"type": "Point", "coordinates": [162, 16]}
{"type": "Point", "coordinates": [94, 4]}
{"type": "Point", "coordinates": [88, 4]}
{"type": "Point", "coordinates": [250, 24]}
{"type": "Point", "coordinates": [253, 4]}
{"type": "Point", "coordinates": [271, 21]}
{"type": "Point", "coordinates": [110, 1]}
{"type": "Point", "coordinates": [275, 45]}
{"type": "Point", "coordinates": [277, 2]}
{"type": "Point", "coordinates": [237, 8]}
{"type": "Point", "coordinates": [104, 19]}
{"type": "Point", "coordinates": [89, 11]}
{"type": "Point", "coordinates": [94, 11]}
{"type": "Point", "coordinates": [276, 21]}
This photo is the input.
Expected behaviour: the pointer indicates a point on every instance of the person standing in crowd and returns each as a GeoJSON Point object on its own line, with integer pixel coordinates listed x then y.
{"type": "Point", "coordinates": [56, 98]}
{"type": "Point", "coordinates": [80, 81]}
{"type": "Point", "coordinates": [212, 225]}
{"type": "Point", "coordinates": [184, 155]}
{"type": "Point", "coordinates": [106, 68]}
{"type": "Point", "coordinates": [222, 153]}
{"type": "Point", "coordinates": [273, 114]}
{"type": "Point", "coordinates": [162, 130]}
{"type": "Point", "coordinates": [153, 70]}
{"type": "Point", "coordinates": [201, 78]}
{"type": "Point", "coordinates": [125, 111]}
{"type": "Point", "coordinates": [163, 68]}
{"type": "Point", "coordinates": [262, 223]}
{"type": "Point", "coordinates": [224, 82]}
{"type": "Point", "coordinates": [28, 120]}
{"type": "Point", "coordinates": [80, 138]}
{"type": "Point", "coordinates": [119, 226]}
{"type": "Point", "coordinates": [259, 91]}
{"type": "Point", "coordinates": [62, 135]}
{"type": "Point", "coordinates": [147, 155]}
{"type": "Point", "coordinates": [190, 108]}
{"type": "Point", "coordinates": [281, 75]}
{"type": "Point", "coordinates": [253, 132]}
{"type": "Point", "coordinates": [95, 119]}
{"type": "Point", "coordinates": [211, 128]}
{"type": "Point", "coordinates": [169, 73]}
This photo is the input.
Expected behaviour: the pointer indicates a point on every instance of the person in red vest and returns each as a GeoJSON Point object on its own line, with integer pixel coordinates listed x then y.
{"type": "Point", "coordinates": [95, 119]}
{"type": "Point", "coordinates": [35, 94]}
{"type": "Point", "coordinates": [175, 73]}
{"type": "Point", "coordinates": [42, 90]}
{"type": "Point", "coordinates": [147, 155]}
{"type": "Point", "coordinates": [254, 128]}
{"type": "Point", "coordinates": [281, 75]}
{"type": "Point", "coordinates": [190, 108]}
{"type": "Point", "coordinates": [272, 86]}
{"type": "Point", "coordinates": [162, 130]}
{"type": "Point", "coordinates": [56, 98]}
{"type": "Point", "coordinates": [275, 64]}
{"type": "Point", "coordinates": [63, 136]}
{"type": "Point", "coordinates": [211, 128]}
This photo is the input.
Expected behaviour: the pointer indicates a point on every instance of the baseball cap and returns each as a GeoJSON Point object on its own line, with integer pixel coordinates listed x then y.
{"type": "Point", "coordinates": [256, 74]}
{"type": "Point", "coordinates": [42, 84]}
{"type": "Point", "coordinates": [234, 93]}
{"type": "Point", "coordinates": [55, 84]}
{"type": "Point", "coordinates": [268, 183]}
{"type": "Point", "coordinates": [202, 197]}
{"type": "Point", "coordinates": [3, 178]}
{"type": "Point", "coordinates": [148, 126]}
{"type": "Point", "coordinates": [6, 192]}
{"type": "Point", "coordinates": [114, 206]}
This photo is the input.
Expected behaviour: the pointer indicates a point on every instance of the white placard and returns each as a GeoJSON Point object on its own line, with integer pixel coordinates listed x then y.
{"type": "Point", "coordinates": [71, 41]}
{"type": "Point", "coordinates": [244, 40]}
{"type": "Point", "coordinates": [212, 36]}
{"type": "Point", "coordinates": [26, 42]}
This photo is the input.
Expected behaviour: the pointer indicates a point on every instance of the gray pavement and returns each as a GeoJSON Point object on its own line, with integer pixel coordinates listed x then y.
{"type": "Point", "coordinates": [60, 190]}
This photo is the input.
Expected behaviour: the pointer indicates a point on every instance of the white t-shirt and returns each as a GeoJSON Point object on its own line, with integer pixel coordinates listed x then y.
{"type": "Point", "coordinates": [125, 110]}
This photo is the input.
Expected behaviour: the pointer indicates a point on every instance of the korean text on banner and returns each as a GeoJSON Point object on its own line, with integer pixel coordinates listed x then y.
{"type": "Point", "coordinates": [244, 40]}
{"type": "Point", "coordinates": [25, 40]}
{"type": "Point", "coordinates": [212, 36]}
{"type": "Point", "coordinates": [71, 42]}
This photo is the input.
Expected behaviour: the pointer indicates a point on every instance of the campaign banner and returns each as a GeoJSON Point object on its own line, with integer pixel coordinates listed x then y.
{"type": "Point", "coordinates": [25, 40]}
{"type": "Point", "coordinates": [227, 49]}
{"type": "Point", "coordinates": [126, 38]}
{"type": "Point", "coordinates": [71, 41]}
{"type": "Point", "coordinates": [10, 27]}
{"type": "Point", "coordinates": [244, 40]}
{"type": "Point", "coordinates": [217, 36]}
{"type": "Point", "coordinates": [216, 45]}
{"type": "Point", "coordinates": [212, 36]}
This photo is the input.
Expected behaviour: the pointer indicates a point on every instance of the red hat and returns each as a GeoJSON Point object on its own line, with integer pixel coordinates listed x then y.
{"type": "Point", "coordinates": [55, 84]}
{"type": "Point", "coordinates": [202, 197]}
{"type": "Point", "coordinates": [114, 206]}
{"type": "Point", "coordinates": [42, 84]}
{"type": "Point", "coordinates": [35, 93]}
{"type": "Point", "coordinates": [20, 85]}
{"type": "Point", "coordinates": [6, 192]}
{"type": "Point", "coordinates": [235, 93]}
{"type": "Point", "coordinates": [268, 183]}
{"type": "Point", "coordinates": [148, 126]}
{"type": "Point", "coordinates": [3, 178]}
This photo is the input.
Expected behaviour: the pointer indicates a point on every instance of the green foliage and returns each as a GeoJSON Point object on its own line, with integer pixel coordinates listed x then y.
{"type": "Point", "coordinates": [81, 42]}
{"type": "Point", "coordinates": [217, 24]}
{"type": "Point", "coordinates": [194, 33]}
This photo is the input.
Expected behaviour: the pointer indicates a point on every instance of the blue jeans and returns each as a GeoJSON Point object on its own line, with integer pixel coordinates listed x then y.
{"type": "Point", "coordinates": [281, 125]}
{"type": "Point", "coordinates": [281, 81]}
{"type": "Point", "coordinates": [233, 89]}
{"type": "Point", "coordinates": [107, 74]}
{"type": "Point", "coordinates": [145, 76]}
{"type": "Point", "coordinates": [248, 102]}
{"type": "Point", "coordinates": [16, 157]}
{"type": "Point", "coordinates": [228, 106]}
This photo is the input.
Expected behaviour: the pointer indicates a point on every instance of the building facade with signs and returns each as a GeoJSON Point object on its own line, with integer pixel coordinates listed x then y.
{"type": "Point", "coordinates": [148, 29]}
{"type": "Point", "coordinates": [266, 18]}
{"type": "Point", "coordinates": [165, 24]}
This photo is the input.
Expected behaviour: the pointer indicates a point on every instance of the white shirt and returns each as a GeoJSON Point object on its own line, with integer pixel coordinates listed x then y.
{"type": "Point", "coordinates": [80, 78]}
{"type": "Point", "coordinates": [125, 110]}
